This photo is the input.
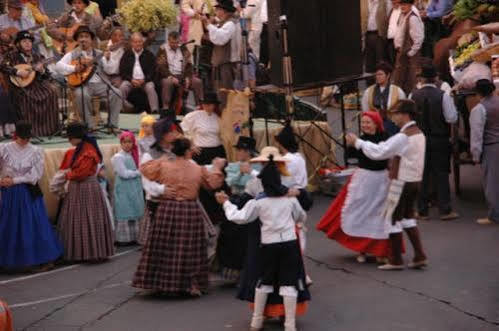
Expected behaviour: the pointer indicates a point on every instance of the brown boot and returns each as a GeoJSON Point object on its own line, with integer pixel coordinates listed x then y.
{"type": "Point", "coordinates": [419, 255]}
{"type": "Point", "coordinates": [396, 261]}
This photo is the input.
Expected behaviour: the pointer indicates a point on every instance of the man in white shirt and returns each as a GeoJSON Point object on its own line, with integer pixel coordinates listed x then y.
{"type": "Point", "coordinates": [407, 150]}
{"type": "Point", "coordinates": [374, 29]}
{"type": "Point", "coordinates": [408, 41]}
{"type": "Point", "coordinates": [137, 70]}
{"type": "Point", "coordinates": [393, 19]}
{"type": "Point", "coordinates": [113, 54]}
{"type": "Point", "coordinates": [85, 55]}
{"type": "Point", "coordinates": [252, 12]}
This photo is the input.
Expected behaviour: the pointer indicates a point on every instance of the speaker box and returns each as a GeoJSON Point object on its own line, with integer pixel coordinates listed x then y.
{"type": "Point", "coordinates": [324, 40]}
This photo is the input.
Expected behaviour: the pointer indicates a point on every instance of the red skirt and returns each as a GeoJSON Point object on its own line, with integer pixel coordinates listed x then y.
{"type": "Point", "coordinates": [331, 225]}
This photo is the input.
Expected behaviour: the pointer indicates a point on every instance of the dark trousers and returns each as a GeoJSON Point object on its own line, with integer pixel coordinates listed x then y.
{"type": "Point", "coordinates": [436, 176]}
{"type": "Point", "coordinates": [391, 52]}
{"type": "Point", "coordinates": [375, 50]}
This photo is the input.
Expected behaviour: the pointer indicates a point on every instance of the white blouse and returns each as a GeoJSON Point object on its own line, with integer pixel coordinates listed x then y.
{"type": "Point", "coordinates": [202, 128]}
{"type": "Point", "coordinates": [23, 164]}
{"type": "Point", "coordinates": [119, 167]}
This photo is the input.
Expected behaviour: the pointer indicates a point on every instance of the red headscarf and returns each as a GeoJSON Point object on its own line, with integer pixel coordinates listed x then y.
{"type": "Point", "coordinates": [376, 117]}
{"type": "Point", "coordinates": [135, 149]}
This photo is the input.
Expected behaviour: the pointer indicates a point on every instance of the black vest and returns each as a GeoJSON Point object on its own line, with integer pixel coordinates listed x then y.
{"type": "Point", "coordinates": [430, 119]}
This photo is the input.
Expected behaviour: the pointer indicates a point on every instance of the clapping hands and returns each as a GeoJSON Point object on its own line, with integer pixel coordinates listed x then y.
{"type": "Point", "coordinates": [221, 197]}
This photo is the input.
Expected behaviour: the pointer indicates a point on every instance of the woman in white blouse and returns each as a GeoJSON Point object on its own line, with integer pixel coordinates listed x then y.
{"type": "Point", "coordinates": [203, 128]}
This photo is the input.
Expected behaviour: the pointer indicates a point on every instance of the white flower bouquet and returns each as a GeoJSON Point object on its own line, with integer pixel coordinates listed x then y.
{"type": "Point", "coordinates": [148, 15]}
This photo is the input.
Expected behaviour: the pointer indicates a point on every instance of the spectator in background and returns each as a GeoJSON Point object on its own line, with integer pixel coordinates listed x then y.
{"type": "Point", "coordinates": [434, 29]}
{"type": "Point", "coordinates": [393, 19]}
{"type": "Point", "coordinates": [375, 32]}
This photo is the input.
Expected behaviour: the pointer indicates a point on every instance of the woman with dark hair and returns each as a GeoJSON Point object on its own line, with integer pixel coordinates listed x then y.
{"type": "Point", "coordinates": [484, 123]}
{"type": "Point", "coordinates": [175, 258]}
{"type": "Point", "coordinates": [26, 236]}
{"type": "Point", "coordinates": [354, 219]}
{"type": "Point", "coordinates": [84, 220]}
{"type": "Point", "coordinates": [383, 95]}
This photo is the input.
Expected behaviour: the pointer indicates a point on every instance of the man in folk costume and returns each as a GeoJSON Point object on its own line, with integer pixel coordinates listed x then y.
{"type": "Point", "coordinates": [252, 12]}
{"type": "Point", "coordinates": [436, 111]}
{"type": "Point", "coordinates": [113, 54]}
{"type": "Point", "coordinates": [407, 148]}
{"type": "Point", "coordinates": [195, 9]}
{"type": "Point", "coordinates": [374, 29]}
{"type": "Point", "coordinates": [174, 66]}
{"type": "Point", "coordinates": [226, 55]}
{"type": "Point", "coordinates": [408, 42]}
{"type": "Point", "coordinates": [393, 19]}
{"type": "Point", "coordinates": [484, 122]}
{"type": "Point", "coordinates": [96, 86]}
{"type": "Point", "coordinates": [383, 95]}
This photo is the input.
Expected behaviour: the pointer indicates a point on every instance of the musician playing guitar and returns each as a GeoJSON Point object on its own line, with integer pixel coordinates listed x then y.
{"type": "Point", "coordinates": [63, 31]}
{"type": "Point", "coordinates": [79, 61]}
{"type": "Point", "coordinates": [36, 103]}
{"type": "Point", "coordinates": [13, 22]}
{"type": "Point", "coordinates": [175, 68]}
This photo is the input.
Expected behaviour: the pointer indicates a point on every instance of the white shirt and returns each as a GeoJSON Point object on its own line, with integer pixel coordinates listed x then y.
{"type": "Point", "coordinates": [64, 66]}
{"type": "Point", "coordinates": [119, 167]}
{"type": "Point", "coordinates": [278, 216]}
{"type": "Point", "coordinates": [416, 32]}
{"type": "Point", "coordinates": [371, 20]}
{"type": "Point", "coordinates": [24, 164]}
{"type": "Point", "coordinates": [152, 189]}
{"type": "Point", "coordinates": [297, 168]}
{"type": "Point", "coordinates": [411, 150]}
{"type": "Point", "coordinates": [112, 66]}
{"type": "Point", "coordinates": [253, 11]}
{"type": "Point", "coordinates": [175, 59]}
{"type": "Point", "coordinates": [228, 32]}
{"type": "Point", "coordinates": [392, 23]}
{"type": "Point", "coordinates": [365, 96]}
{"type": "Point", "coordinates": [264, 16]}
{"type": "Point", "coordinates": [137, 69]}
{"type": "Point", "coordinates": [202, 128]}
{"type": "Point", "coordinates": [478, 119]}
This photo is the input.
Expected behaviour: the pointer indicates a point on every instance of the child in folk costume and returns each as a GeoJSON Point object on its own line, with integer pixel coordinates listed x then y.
{"type": "Point", "coordinates": [84, 222]}
{"type": "Point", "coordinates": [128, 194]}
{"type": "Point", "coordinates": [26, 235]}
{"type": "Point", "coordinates": [282, 261]}
{"type": "Point", "coordinates": [146, 136]}
{"type": "Point", "coordinates": [407, 148]}
{"type": "Point", "coordinates": [355, 218]}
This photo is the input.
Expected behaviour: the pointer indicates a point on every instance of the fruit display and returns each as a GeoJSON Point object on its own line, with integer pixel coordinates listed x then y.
{"type": "Point", "coordinates": [465, 9]}
{"type": "Point", "coordinates": [464, 54]}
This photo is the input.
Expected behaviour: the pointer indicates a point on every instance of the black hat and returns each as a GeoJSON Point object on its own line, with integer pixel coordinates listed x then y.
{"type": "Point", "coordinates": [405, 107]}
{"type": "Point", "coordinates": [484, 87]}
{"type": "Point", "coordinates": [246, 143]}
{"type": "Point", "coordinates": [162, 127]}
{"type": "Point", "coordinates": [271, 180]}
{"type": "Point", "coordinates": [76, 130]}
{"type": "Point", "coordinates": [227, 5]}
{"type": "Point", "coordinates": [23, 129]}
{"type": "Point", "coordinates": [428, 71]}
{"type": "Point", "coordinates": [24, 35]}
{"type": "Point", "coordinates": [70, 2]}
{"type": "Point", "coordinates": [287, 139]}
{"type": "Point", "coordinates": [210, 99]}
{"type": "Point", "coordinates": [83, 29]}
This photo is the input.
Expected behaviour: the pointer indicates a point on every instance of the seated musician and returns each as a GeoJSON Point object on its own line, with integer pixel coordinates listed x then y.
{"type": "Point", "coordinates": [137, 70]}
{"type": "Point", "coordinates": [175, 68]}
{"type": "Point", "coordinates": [113, 54]}
{"type": "Point", "coordinates": [79, 61]}
{"type": "Point", "coordinates": [36, 103]}
{"type": "Point", "coordinates": [13, 21]}
{"type": "Point", "coordinates": [65, 26]}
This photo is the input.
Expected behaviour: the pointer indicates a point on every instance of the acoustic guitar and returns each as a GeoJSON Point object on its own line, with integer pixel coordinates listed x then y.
{"type": "Point", "coordinates": [77, 79]}
{"type": "Point", "coordinates": [67, 45]}
{"type": "Point", "coordinates": [25, 82]}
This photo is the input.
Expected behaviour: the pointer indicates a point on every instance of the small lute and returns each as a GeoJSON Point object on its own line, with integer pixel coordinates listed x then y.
{"type": "Point", "coordinates": [25, 82]}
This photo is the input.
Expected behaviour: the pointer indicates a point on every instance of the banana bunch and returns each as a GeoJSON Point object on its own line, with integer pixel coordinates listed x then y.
{"type": "Point", "coordinates": [464, 57]}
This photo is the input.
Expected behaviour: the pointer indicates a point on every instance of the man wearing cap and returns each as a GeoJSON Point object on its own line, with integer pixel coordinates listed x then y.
{"type": "Point", "coordinates": [407, 150]}
{"type": "Point", "coordinates": [408, 41]}
{"type": "Point", "coordinates": [13, 21]}
{"type": "Point", "coordinates": [95, 86]}
{"type": "Point", "coordinates": [226, 55]}
{"type": "Point", "coordinates": [436, 111]}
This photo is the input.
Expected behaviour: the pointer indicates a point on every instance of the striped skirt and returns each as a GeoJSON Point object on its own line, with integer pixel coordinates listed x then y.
{"type": "Point", "coordinates": [38, 105]}
{"type": "Point", "coordinates": [84, 223]}
{"type": "Point", "coordinates": [174, 258]}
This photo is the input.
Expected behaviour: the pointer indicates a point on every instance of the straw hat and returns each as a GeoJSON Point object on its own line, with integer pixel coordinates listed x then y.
{"type": "Point", "coordinates": [266, 152]}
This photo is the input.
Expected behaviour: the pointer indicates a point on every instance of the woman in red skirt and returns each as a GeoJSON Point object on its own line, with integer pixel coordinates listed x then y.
{"type": "Point", "coordinates": [355, 219]}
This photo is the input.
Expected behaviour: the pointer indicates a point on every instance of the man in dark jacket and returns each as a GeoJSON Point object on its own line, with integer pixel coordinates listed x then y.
{"type": "Point", "coordinates": [137, 70]}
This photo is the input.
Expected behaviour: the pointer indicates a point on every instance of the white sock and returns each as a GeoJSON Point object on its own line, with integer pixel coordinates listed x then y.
{"type": "Point", "coordinates": [290, 310]}
{"type": "Point", "coordinates": [260, 302]}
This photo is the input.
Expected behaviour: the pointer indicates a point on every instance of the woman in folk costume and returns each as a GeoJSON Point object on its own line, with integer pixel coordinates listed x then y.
{"type": "Point", "coordinates": [36, 103]}
{"type": "Point", "coordinates": [146, 134]}
{"type": "Point", "coordinates": [128, 193]}
{"type": "Point", "coordinates": [280, 250]}
{"type": "Point", "coordinates": [84, 222]}
{"type": "Point", "coordinates": [174, 258]}
{"type": "Point", "coordinates": [253, 266]}
{"type": "Point", "coordinates": [26, 235]}
{"type": "Point", "coordinates": [355, 219]}
{"type": "Point", "coordinates": [383, 95]}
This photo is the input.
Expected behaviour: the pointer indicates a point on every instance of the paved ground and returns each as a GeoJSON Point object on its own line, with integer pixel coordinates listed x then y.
{"type": "Point", "coordinates": [459, 291]}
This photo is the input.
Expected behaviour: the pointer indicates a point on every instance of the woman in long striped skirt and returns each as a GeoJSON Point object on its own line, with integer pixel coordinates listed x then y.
{"type": "Point", "coordinates": [36, 103]}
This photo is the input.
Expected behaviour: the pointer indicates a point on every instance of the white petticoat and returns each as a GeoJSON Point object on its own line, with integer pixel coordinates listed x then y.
{"type": "Point", "coordinates": [362, 211]}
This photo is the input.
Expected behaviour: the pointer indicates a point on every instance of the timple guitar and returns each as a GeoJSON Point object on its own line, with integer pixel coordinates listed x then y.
{"type": "Point", "coordinates": [25, 82]}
